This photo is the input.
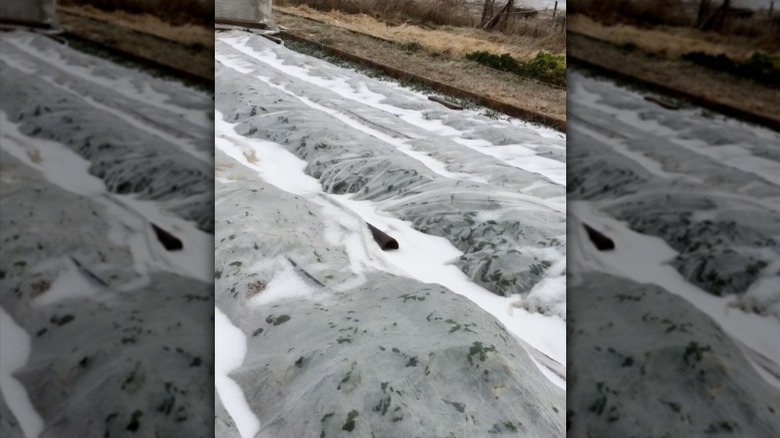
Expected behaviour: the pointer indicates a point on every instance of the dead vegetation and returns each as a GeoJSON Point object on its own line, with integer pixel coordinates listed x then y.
{"type": "Point", "coordinates": [445, 40]}
{"type": "Point", "coordinates": [182, 48]}
{"type": "Point", "coordinates": [545, 33]}
{"type": "Point", "coordinates": [713, 21]}
{"type": "Point", "coordinates": [430, 13]}
{"type": "Point", "coordinates": [708, 33]}
{"type": "Point", "coordinates": [189, 34]}
{"type": "Point", "coordinates": [174, 12]}
{"type": "Point", "coordinates": [664, 41]}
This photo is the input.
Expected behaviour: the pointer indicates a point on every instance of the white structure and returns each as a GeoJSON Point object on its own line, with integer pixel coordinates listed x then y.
{"type": "Point", "coordinates": [28, 12]}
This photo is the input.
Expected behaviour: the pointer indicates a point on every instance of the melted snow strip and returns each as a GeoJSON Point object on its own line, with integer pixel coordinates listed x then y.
{"type": "Point", "coordinates": [15, 346]}
{"type": "Point", "coordinates": [229, 352]}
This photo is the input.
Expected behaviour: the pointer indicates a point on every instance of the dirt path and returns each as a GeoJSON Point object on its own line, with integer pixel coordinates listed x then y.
{"type": "Point", "coordinates": [527, 94]}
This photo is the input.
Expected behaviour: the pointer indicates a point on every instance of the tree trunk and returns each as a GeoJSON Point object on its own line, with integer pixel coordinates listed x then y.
{"type": "Point", "coordinates": [497, 18]}
{"type": "Point", "coordinates": [716, 20]}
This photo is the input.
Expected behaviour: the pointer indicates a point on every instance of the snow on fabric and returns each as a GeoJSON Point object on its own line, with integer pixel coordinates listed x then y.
{"type": "Point", "coordinates": [336, 329]}
{"type": "Point", "coordinates": [687, 301]}
{"type": "Point", "coordinates": [111, 152]}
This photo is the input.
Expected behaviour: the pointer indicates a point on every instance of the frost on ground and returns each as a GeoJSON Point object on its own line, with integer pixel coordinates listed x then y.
{"type": "Point", "coordinates": [680, 320]}
{"type": "Point", "coordinates": [459, 332]}
{"type": "Point", "coordinates": [108, 329]}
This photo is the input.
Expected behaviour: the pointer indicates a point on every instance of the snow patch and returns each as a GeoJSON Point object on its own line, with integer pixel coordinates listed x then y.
{"type": "Point", "coordinates": [229, 352]}
{"type": "Point", "coordinates": [16, 346]}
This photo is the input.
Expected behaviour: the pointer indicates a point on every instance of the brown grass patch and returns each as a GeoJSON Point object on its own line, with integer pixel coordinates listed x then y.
{"type": "Point", "coordinates": [535, 33]}
{"type": "Point", "coordinates": [681, 20]}
{"type": "Point", "coordinates": [175, 12]}
{"type": "Point", "coordinates": [644, 12]}
{"type": "Point", "coordinates": [189, 34]}
{"type": "Point", "coordinates": [430, 12]}
{"type": "Point", "coordinates": [450, 41]}
{"type": "Point", "coordinates": [187, 50]}
{"type": "Point", "coordinates": [664, 41]}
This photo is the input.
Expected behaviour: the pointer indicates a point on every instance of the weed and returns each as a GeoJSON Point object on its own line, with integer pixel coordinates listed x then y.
{"type": "Point", "coordinates": [499, 62]}
{"type": "Point", "coordinates": [544, 66]}
{"type": "Point", "coordinates": [761, 67]}
{"type": "Point", "coordinates": [547, 67]}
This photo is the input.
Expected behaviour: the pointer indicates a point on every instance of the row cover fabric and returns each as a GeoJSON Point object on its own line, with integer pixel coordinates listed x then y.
{"type": "Point", "coordinates": [133, 357]}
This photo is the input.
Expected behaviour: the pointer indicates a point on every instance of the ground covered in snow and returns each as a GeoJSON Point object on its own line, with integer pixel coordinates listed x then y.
{"type": "Point", "coordinates": [102, 326]}
{"type": "Point", "coordinates": [681, 319]}
{"type": "Point", "coordinates": [459, 332]}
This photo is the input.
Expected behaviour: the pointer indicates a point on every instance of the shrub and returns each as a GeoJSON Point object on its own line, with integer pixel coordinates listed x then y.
{"type": "Point", "coordinates": [544, 66]}
{"type": "Point", "coordinates": [499, 62]}
{"type": "Point", "coordinates": [761, 67]}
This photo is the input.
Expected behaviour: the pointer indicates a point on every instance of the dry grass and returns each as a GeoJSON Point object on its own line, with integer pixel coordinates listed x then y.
{"type": "Point", "coordinates": [543, 31]}
{"type": "Point", "coordinates": [539, 32]}
{"type": "Point", "coordinates": [175, 12]}
{"type": "Point", "coordinates": [429, 12]}
{"type": "Point", "coordinates": [450, 41]}
{"type": "Point", "coordinates": [664, 41]}
{"type": "Point", "coordinates": [193, 57]}
{"type": "Point", "coordinates": [189, 34]}
{"type": "Point", "coordinates": [680, 19]}
{"type": "Point", "coordinates": [637, 12]}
